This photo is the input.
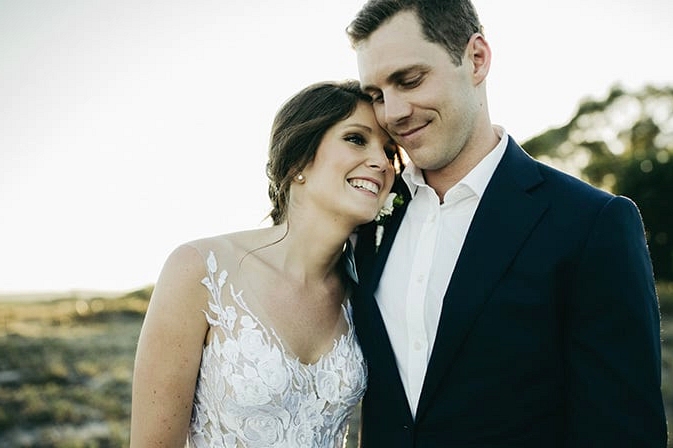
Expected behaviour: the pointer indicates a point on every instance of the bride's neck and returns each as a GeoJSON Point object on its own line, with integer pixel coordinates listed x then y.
{"type": "Point", "coordinates": [310, 252]}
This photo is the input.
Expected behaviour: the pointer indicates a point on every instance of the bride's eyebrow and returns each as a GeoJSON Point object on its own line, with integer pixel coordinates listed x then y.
{"type": "Point", "coordinates": [360, 126]}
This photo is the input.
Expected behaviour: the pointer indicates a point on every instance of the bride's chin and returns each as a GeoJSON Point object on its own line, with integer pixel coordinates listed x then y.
{"type": "Point", "coordinates": [362, 220]}
{"type": "Point", "coordinates": [363, 215]}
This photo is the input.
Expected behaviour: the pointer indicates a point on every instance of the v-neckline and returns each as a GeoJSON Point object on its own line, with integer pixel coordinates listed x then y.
{"type": "Point", "coordinates": [286, 349]}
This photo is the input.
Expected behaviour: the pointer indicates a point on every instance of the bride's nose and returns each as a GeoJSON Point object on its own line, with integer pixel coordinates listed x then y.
{"type": "Point", "coordinates": [378, 159]}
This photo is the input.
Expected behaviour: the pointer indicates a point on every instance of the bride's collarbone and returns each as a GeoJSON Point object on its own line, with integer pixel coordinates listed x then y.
{"type": "Point", "coordinates": [306, 318]}
{"type": "Point", "coordinates": [283, 297]}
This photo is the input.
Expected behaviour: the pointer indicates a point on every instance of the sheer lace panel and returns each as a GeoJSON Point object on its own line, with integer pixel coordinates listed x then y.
{"type": "Point", "coordinates": [251, 392]}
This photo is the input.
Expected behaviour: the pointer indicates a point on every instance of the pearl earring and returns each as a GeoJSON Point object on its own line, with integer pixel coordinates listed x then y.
{"type": "Point", "coordinates": [300, 178]}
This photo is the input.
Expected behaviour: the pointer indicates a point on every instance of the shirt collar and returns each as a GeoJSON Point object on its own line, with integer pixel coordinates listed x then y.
{"type": "Point", "coordinates": [478, 177]}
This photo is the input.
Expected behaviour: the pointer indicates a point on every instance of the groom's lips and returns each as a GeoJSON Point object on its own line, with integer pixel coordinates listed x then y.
{"type": "Point", "coordinates": [406, 133]}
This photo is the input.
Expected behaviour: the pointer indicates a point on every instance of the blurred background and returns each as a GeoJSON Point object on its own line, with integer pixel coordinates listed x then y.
{"type": "Point", "coordinates": [129, 127]}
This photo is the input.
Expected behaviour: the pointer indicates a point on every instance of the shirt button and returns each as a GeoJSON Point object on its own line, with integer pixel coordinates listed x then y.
{"type": "Point", "coordinates": [417, 346]}
{"type": "Point", "coordinates": [420, 278]}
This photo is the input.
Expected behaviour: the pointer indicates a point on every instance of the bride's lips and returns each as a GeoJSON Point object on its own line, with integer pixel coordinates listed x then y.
{"type": "Point", "coordinates": [367, 184]}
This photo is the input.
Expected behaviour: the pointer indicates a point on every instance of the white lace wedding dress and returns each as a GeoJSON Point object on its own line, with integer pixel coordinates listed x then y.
{"type": "Point", "coordinates": [252, 393]}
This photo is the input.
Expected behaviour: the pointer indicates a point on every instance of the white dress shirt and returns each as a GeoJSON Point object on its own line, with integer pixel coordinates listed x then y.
{"type": "Point", "coordinates": [421, 262]}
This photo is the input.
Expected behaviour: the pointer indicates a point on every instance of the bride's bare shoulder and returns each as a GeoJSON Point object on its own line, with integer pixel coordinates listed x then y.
{"type": "Point", "coordinates": [230, 248]}
{"type": "Point", "coordinates": [249, 240]}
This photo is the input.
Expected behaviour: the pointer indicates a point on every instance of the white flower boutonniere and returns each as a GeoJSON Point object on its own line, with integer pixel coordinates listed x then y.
{"type": "Point", "coordinates": [392, 201]}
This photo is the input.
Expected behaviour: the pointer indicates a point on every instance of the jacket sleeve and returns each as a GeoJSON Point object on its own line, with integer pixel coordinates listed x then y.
{"type": "Point", "coordinates": [612, 343]}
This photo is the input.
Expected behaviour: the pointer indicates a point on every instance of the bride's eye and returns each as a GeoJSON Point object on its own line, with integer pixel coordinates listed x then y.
{"type": "Point", "coordinates": [356, 139]}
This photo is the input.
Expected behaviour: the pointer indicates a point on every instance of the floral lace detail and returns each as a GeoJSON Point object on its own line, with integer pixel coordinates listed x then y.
{"type": "Point", "coordinates": [252, 393]}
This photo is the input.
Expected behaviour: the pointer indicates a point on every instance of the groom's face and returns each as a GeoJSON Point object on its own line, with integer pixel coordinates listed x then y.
{"type": "Point", "coordinates": [426, 103]}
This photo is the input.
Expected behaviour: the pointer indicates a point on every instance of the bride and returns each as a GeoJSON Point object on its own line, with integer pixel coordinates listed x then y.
{"type": "Point", "coordinates": [248, 339]}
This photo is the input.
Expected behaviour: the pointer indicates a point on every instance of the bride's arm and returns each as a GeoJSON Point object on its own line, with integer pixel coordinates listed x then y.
{"type": "Point", "coordinates": [169, 353]}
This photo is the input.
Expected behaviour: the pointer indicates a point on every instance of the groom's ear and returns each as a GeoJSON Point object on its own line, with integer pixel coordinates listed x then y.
{"type": "Point", "coordinates": [478, 54]}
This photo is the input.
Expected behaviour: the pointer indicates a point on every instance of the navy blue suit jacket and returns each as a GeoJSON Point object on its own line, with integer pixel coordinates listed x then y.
{"type": "Point", "coordinates": [549, 331]}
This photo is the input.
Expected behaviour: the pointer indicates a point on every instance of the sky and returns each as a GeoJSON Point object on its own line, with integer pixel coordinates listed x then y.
{"type": "Point", "coordinates": [128, 127]}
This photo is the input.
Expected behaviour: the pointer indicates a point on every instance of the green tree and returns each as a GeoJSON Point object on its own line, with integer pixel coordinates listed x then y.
{"type": "Point", "coordinates": [624, 144]}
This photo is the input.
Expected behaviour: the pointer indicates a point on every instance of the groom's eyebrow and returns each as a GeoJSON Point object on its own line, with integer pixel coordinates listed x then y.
{"type": "Point", "coordinates": [398, 75]}
{"type": "Point", "coordinates": [402, 73]}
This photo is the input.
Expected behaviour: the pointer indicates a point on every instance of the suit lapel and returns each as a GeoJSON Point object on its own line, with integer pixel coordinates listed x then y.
{"type": "Point", "coordinates": [369, 324]}
{"type": "Point", "coordinates": [505, 216]}
{"type": "Point", "coordinates": [371, 262]}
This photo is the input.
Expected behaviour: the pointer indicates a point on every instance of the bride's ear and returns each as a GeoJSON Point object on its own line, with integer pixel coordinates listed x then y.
{"type": "Point", "coordinates": [300, 178]}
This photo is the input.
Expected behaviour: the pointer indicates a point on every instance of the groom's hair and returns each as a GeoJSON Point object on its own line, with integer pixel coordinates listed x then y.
{"type": "Point", "coordinates": [449, 23]}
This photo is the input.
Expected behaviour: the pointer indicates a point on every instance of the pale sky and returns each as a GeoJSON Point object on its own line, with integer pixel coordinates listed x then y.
{"type": "Point", "coordinates": [130, 126]}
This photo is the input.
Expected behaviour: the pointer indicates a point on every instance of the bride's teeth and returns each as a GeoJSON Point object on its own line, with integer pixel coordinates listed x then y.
{"type": "Point", "coordinates": [365, 185]}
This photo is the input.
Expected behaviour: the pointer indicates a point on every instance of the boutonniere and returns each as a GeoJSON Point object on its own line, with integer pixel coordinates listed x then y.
{"type": "Point", "coordinates": [392, 201]}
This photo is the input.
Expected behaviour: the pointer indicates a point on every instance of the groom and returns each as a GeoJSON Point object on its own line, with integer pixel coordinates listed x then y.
{"type": "Point", "coordinates": [509, 304]}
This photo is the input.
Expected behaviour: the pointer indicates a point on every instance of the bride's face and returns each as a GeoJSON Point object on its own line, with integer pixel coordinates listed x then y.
{"type": "Point", "coordinates": [352, 171]}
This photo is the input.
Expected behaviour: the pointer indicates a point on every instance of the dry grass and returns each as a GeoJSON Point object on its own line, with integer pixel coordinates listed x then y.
{"type": "Point", "coordinates": [66, 368]}
{"type": "Point", "coordinates": [65, 371]}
